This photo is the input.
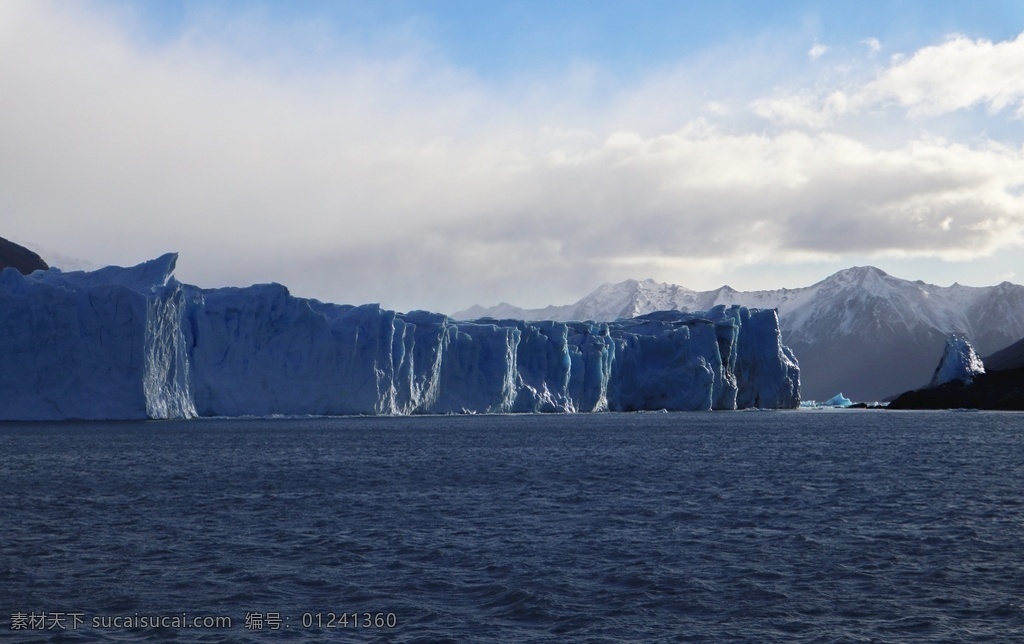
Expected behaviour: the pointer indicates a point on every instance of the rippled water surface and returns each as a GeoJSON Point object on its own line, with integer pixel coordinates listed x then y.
{"type": "Point", "coordinates": [744, 526]}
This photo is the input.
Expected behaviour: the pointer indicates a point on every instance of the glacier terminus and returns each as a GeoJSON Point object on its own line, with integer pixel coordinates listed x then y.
{"type": "Point", "coordinates": [134, 343]}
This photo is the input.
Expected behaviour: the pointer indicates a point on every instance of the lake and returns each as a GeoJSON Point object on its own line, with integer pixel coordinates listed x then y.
{"type": "Point", "coordinates": [795, 526]}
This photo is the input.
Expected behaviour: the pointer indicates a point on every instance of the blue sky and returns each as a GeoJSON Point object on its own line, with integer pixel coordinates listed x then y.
{"type": "Point", "coordinates": [440, 154]}
{"type": "Point", "coordinates": [511, 38]}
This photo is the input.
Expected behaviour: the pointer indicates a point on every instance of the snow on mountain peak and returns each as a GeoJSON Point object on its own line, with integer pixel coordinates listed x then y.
{"type": "Point", "coordinates": [867, 278]}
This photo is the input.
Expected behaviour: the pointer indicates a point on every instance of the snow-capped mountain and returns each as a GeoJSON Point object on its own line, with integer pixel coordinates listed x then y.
{"type": "Point", "coordinates": [632, 298]}
{"type": "Point", "coordinates": [859, 331]}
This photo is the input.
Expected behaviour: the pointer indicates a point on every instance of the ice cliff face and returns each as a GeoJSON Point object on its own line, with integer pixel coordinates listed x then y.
{"type": "Point", "coordinates": [126, 343]}
{"type": "Point", "coordinates": [95, 345]}
{"type": "Point", "coordinates": [959, 362]}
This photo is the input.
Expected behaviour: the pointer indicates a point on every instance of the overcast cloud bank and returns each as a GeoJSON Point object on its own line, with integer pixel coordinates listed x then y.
{"type": "Point", "coordinates": [260, 155]}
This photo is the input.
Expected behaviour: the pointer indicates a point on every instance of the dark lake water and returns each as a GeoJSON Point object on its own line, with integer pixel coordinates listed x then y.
{"type": "Point", "coordinates": [809, 526]}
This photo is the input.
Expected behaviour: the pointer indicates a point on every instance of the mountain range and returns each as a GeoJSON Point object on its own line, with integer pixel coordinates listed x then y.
{"type": "Point", "coordinates": [859, 331]}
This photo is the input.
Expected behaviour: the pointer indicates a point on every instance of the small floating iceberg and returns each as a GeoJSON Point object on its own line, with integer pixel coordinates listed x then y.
{"type": "Point", "coordinates": [839, 400]}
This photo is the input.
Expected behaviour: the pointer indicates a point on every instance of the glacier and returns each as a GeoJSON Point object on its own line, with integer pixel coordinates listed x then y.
{"type": "Point", "coordinates": [134, 343]}
{"type": "Point", "coordinates": [959, 362]}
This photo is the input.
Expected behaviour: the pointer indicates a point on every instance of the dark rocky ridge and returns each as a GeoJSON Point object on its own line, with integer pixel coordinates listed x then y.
{"type": "Point", "coordinates": [1001, 387]}
{"type": "Point", "coordinates": [1001, 390]}
{"type": "Point", "coordinates": [20, 258]}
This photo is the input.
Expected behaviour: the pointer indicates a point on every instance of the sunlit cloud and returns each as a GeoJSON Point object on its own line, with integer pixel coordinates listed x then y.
{"type": "Point", "coordinates": [956, 75]}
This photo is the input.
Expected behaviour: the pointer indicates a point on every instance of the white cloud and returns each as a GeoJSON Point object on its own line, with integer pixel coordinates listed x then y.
{"type": "Point", "coordinates": [803, 110]}
{"type": "Point", "coordinates": [956, 75]}
{"type": "Point", "coordinates": [407, 180]}
{"type": "Point", "coordinates": [873, 44]}
{"type": "Point", "coordinates": [708, 193]}
{"type": "Point", "coordinates": [817, 51]}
